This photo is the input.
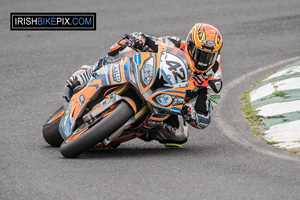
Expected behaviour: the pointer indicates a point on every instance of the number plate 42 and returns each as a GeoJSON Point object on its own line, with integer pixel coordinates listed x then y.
{"type": "Point", "coordinates": [173, 68]}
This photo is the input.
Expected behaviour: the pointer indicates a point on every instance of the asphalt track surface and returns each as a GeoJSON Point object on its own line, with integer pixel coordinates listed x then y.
{"type": "Point", "coordinates": [224, 161]}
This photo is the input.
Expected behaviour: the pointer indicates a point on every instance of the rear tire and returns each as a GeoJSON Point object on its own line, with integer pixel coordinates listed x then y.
{"type": "Point", "coordinates": [51, 132]}
{"type": "Point", "coordinates": [98, 132]}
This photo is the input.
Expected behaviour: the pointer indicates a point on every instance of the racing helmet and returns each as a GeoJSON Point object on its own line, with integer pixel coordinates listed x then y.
{"type": "Point", "coordinates": [203, 45]}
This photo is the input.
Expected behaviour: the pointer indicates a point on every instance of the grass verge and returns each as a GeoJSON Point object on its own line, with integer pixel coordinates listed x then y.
{"type": "Point", "coordinates": [255, 122]}
{"type": "Point", "coordinates": [272, 142]}
{"type": "Point", "coordinates": [250, 113]}
{"type": "Point", "coordinates": [294, 151]}
{"type": "Point", "coordinates": [281, 94]}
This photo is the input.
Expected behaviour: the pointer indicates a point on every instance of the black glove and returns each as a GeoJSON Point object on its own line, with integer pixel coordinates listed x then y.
{"type": "Point", "coordinates": [137, 40]}
{"type": "Point", "coordinates": [185, 109]}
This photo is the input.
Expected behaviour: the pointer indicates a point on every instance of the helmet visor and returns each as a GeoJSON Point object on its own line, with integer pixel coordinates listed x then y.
{"type": "Point", "coordinates": [203, 59]}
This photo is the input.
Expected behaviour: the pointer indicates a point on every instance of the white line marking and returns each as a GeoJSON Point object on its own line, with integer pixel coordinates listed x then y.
{"type": "Point", "coordinates": [285, 72]}
{"type": "Point", "coordinates": [272, 109]}
{"type": "Point", "coordinates": [286, 132]}
{"type": "Point", "coordinates": [286, 84]}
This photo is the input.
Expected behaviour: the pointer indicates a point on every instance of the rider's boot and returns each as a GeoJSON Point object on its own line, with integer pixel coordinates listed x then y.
{"type": "Point", "coordinates": [172, 133]}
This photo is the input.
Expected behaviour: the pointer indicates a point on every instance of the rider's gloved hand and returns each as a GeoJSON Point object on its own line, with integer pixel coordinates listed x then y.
{"type": "Point", "coordinates": [186, 109]}
{"type": "Point", "coordinates": [186, 112]}
{"type": "Point", "coordinates": [137, 40]}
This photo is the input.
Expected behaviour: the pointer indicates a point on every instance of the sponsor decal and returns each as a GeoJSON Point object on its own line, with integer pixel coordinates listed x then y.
{"type": "Point", "coordinates": [195, 89]}
{"type": "Point", "coordinates": [116, 73]}
{"type": "Point", "coordinates": [175, 110]}
{"type": "Point", "coordinates": [208, 43]}
{"type": "Point", "coordinates": [81, 99]}
{"type": "Point", "coordinates": [137, 59]}
{"type": "Point", "coordinates": [52, 21]}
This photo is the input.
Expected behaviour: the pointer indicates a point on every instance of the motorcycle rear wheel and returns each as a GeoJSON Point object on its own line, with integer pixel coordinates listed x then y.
{"type": "Point", "coordinates": [50, 131]}
{"type": "Point", "coordinates": [98, 132]}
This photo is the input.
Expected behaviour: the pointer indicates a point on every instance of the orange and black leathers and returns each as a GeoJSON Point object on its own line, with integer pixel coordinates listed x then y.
{"type": "Point", "coordinates": [206, 92]}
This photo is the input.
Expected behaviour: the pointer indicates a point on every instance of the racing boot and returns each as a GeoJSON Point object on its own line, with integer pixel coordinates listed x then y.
{"type": "Point", "coordinates": [172, 133]}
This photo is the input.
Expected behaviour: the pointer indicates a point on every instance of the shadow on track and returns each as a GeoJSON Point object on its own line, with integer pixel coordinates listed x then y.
{"type": "Point", "coordinates": [136, 152]}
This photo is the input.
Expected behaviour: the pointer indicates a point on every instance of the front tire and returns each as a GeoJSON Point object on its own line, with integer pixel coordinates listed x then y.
{"type": "Point", "coordinates": [98, 132]}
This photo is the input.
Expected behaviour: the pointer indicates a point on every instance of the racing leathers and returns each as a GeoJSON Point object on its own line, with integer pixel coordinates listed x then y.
{"type": "Point", "coordinates": [200, 101]}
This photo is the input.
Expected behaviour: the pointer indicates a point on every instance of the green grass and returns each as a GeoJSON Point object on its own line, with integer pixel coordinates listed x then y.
{"type": "Point", "coordinates": [256, 83]}
{"type": "Point", "coordinates": [255, 122]}
{"type": "Point", "coordinates": [289, 72]}
{"type": "Point", "coordinates": [281, 94]}
{"type": "Point", "coordinates": [295, 151]}
{"type": "Point", "coordinates": [272, 142]}
{"type": "Point", "coordinates": [271, 73]}
{"type": "Point", "coordinates": [250, 113]}
{"type": "Point", "coordinates": [256, 130]}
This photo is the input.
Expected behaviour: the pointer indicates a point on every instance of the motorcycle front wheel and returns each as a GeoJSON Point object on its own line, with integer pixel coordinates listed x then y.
{"type": "Point", "coordinates": [103, 129]}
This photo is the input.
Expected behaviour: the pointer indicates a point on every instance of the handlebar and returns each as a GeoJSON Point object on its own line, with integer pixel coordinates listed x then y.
{"type": "Point", "coordinates": [126, 36]}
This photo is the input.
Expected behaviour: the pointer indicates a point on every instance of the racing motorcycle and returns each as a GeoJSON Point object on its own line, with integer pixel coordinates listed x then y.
{"type": "Point", "coordinates": [122, 101]}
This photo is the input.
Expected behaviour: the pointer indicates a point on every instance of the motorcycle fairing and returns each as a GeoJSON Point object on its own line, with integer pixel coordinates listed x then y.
{"type": "Point", "coordinates": [158, 117]}
{"type": "Point", "coordinates": [166, 65]}
{"type": "Point", "coordinates": [122, 72]}
{"type": "Point", "coordinates": [140, 59]}
{"type": "Point", "coordinates": [174, 71]}
{"type": "Point", "coordinates": [67, 124]}
{"type": "Point", "coordinates": [112, 74]}
{"type": "Point", "coordinates": [119, 72]}
{"type": "Point", "coordinates": [59, 113]}
{"type": "Point", "coordinates": [109, 101]}
{"type": "Point", "coordinates": [173, 109]}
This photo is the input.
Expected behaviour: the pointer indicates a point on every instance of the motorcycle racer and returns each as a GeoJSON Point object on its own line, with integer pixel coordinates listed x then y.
{"type": "Point", "coordinates": [203, 48]}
